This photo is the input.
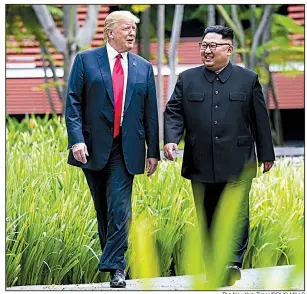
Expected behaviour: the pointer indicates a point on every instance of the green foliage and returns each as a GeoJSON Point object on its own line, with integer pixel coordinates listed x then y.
{"type": "Point", "coordinates": [143, 249]}
{"type": "Point", "coordinates": [263, 74]}
{"type": "Point", "coordinates": [287, 24]}
{"type": "Point", "coordinates": [200, 12]}
{"type": "Point", "coordinates": [280, 48]}
{"type": "Point", "coordinates": [51, 230]}
{"type": "Point", "coordinates": [281, 25]}
{"type": "Point", "coordinates": [22, 24]}
{"type": "Point", "coordinates": [55, 11]}
{"type": "Point", "coordinates": [139, 8]}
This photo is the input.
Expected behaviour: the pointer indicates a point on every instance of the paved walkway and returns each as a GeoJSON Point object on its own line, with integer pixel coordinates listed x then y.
{"type": "Point", "coordinates": [273, 278]}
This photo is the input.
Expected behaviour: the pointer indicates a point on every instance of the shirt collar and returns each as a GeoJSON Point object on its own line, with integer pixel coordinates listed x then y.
{"type": "Point", "coordinates": [112, 53]}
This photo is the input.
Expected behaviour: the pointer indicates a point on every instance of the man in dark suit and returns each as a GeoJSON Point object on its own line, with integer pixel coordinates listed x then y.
{"type": "Point", "coordinates": [111, 111]}
{"type": "Point", "coordinates": [221, 108]}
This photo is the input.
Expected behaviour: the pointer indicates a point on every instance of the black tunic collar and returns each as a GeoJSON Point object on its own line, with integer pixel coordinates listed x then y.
{"type": "Point", "coordinates": [223, 75]}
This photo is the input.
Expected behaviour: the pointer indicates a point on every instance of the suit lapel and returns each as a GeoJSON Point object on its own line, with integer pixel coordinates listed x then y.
{"type": "Point", "coordinates": [131, 81]}
{"type": "Point", "coordinates": [105, 71]}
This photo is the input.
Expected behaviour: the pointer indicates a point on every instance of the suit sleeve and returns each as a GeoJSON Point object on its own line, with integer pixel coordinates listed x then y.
{"type": "Point", "coordinates": [173, 116]}
{"type": "Point", "coordinates": [151, 123]}
{"type": "Point", "coordinates": [74, 99]}
{"type": "Point", "coordinates": [261, 125]}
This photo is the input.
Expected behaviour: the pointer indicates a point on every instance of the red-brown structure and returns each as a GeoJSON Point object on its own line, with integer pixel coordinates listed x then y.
{"type": "Point", "coordinates": [25, 73]}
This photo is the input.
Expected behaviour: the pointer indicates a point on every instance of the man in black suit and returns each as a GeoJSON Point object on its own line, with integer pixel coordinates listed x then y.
{"type": "Point", "coordinates": [111, 111]}
{"type": "Point", "coordinates": [221, 108]}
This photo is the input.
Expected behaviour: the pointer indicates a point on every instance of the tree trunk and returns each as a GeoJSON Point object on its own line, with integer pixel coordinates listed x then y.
{"type": "Point", "coordinates": [235, 45]}
{"type": "Point", "coordinates": [69, 26]}
{"type": "Point", "coordinates": [234, 13]}
{"type": "Point", "coordinates": [145, 21]}
{"type": "Point", "coordinates": [139, 37]}
{"type": "Point", "coordinates": [211, 15]}
{"type": "Point", "coordinates": [267, 14]}
{"type": "Point", "coordinates": [253, 21]}
{"type": "Point", "coordinates": [87, 33]}
{"type": "Point", "coordinates": [160, 57]}
{"type": "Point", "coordinates": [265, 84]}
{"type": "Point", "coordinates": [73, 37]}
{"type": "Point", "coordinates": [269, 84]}
{"type": "Point", "coordinates": [277, 117]}
{"type": "Point", "coordinates": [50, 28]}
{"type": "Point", "coordinates": [177, 22]}
{"type": "Point", "coordinates": [58, 87]}
{"type": "Point", "coordinates": [266, 36]}
{"type": "Point", "coordinates": [223, 13]}
{"type": "Point", "coordinates": [46, 81]}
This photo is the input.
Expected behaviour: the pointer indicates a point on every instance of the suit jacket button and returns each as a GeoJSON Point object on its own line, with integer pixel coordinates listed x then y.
{"type": "Point", "coordinates": [215, 122]}
{"type": "Point", "coordinates": [216, 137]}
{"type": "Point", "coordinates": [216, 92]}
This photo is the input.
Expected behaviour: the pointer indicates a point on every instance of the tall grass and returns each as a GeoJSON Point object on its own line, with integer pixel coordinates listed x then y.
{"type": "Point", "coordinates": [51, 231]}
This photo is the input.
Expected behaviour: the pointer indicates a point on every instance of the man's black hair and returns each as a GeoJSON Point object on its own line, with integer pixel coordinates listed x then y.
{"type": "Point", "coordinates": [227, 33]}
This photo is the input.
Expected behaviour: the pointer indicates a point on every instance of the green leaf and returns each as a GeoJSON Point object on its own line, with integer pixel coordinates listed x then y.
{"type": "Point", "coordinates": [288, 24]}
{"type": "Point", "coordinates": [139, 8]}
{"type": "Point", "coordinates": [54, 10]}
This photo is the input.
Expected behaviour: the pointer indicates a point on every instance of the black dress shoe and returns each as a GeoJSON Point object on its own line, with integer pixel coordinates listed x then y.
{"type": "Point", "coordinates": [117, 279]}
{"type": "Point", "coordinates": [232, 274]}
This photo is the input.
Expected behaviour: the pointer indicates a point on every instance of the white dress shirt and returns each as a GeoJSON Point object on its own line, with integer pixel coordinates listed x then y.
{"type": "Point", "coordinates": [112, 53]}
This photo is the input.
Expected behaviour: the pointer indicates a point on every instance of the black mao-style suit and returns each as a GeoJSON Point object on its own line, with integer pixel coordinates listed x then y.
{"type": "Point", "coordinates": [112, 163]}
{"type": "Point", "coordinates": [223, 116]}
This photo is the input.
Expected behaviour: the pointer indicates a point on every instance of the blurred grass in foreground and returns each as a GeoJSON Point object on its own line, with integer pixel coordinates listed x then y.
{"type": "Point", "coordinates": [51, 232]}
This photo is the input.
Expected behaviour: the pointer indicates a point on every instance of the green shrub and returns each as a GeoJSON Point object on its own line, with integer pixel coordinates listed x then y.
{"type": "Point", "coordinates": [51, 232]}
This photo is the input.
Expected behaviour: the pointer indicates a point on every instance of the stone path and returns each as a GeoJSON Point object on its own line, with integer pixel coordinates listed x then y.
{"type": "Point", "coordinates": [272, 278]}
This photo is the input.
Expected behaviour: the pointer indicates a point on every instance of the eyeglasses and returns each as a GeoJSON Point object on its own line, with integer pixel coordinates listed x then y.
{"type": "Point", "coordinates": [212, 46]}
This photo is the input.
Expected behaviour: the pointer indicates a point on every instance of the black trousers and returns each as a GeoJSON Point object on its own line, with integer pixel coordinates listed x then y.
{"type": "Point", "coordinates": [207, 197]}
{"type": "Point", "coordinates": [111, 190]}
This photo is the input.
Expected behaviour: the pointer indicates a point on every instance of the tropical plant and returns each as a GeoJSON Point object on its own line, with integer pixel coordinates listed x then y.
{"type": "Point", "coordinates": [266, 43]}
{"type": "Point", "coordinates": [51, 229]}
{"type": "Point", "coordinates": [73, 39]}
{"type": "Point", "coordinates": [22, 25]}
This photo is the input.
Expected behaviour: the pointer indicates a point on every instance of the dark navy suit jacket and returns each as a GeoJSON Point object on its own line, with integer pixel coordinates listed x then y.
{"type": "Point", "coordinates": [90, 111]}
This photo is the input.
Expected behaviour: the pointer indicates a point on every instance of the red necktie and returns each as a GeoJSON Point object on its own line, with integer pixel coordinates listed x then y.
{"type": "Point", "coordinates": [118, 90]}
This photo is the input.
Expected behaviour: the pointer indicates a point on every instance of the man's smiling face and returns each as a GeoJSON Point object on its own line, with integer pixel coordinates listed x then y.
{"type": "Point", "coordinates": [218, 56]}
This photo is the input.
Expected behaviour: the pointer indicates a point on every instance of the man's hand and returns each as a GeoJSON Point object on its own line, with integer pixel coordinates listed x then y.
{"type": "Point", "coordinates": [151, 166]}
{"type": "Point", "coordinates": [168, 150]}
{"type": "Point", "coordinates": [79, 152]}
{"type": "Point", "coordinates": [267, 165]}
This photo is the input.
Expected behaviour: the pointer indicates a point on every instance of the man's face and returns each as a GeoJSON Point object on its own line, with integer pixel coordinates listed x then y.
{"type": "Point", "coordinates": [122, 38]}
{"type": "Point", "coordinates": [215, 58]}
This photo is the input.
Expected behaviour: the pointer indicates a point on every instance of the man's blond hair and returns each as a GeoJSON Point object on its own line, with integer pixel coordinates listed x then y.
{"type": "Point", "coordinates": [114, 18]}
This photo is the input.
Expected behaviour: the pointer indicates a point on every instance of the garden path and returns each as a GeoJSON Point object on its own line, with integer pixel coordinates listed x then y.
{"type": "Point", "coordinates": [271, 278]}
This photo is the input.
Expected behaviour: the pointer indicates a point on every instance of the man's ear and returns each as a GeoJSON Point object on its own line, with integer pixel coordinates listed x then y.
{"type": "Point", "coordinates": [110, 35]}
{"type": "Point", "coordinates": [229, 50]}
